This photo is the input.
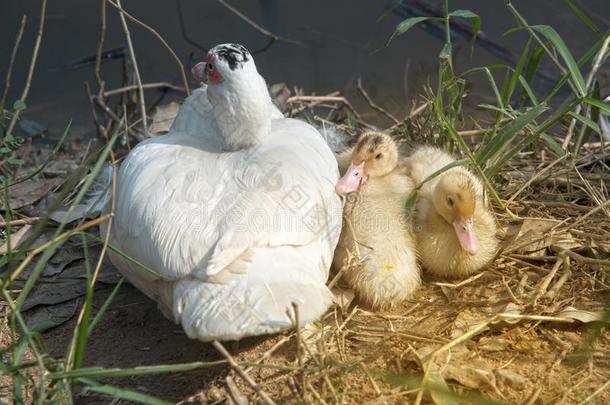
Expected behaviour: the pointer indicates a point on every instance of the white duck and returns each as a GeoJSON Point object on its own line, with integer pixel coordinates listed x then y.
{"type": "Point", "coordinates": [234, 209]}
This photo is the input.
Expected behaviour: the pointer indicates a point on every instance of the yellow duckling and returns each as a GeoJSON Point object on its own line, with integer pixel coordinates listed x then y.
{"type": "Point", "coordinates": [455, 231]}
{"type": "Point", "coordinates": [375, 224]}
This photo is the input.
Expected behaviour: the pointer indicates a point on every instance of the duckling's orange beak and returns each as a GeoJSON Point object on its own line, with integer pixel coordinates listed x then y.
{"type": "Point", "coordinates": [464, 229]}
{"type": "Point", "coordinates": [351, 180]}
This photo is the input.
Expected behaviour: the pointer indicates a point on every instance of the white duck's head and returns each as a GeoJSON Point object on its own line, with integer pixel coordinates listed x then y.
{"type": "Point", "coordinates": [374, 155]}
{"type": "Point", "coordinates": [240, 101]}
{"type": "Point", "coordinates": [225, 62]}
{"type": "Point", "coordinates": [454, 199]}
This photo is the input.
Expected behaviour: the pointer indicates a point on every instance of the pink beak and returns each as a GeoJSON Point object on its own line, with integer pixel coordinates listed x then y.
{"type": "Point", "coordinates": [198, 72]}
{"type": "Point", "coordinates": [464, 229]}
{"type": "Point", "coordinates": [351, 180]}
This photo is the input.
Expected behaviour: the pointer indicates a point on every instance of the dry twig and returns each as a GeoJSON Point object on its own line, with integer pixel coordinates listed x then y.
{"type": "Point", "coordinates": [134, 62]}
{"type": "Point", "coordinates": [242, 373]}
{"type": "Point", "coordinates": [9, 71]}
{"type": "Point", "coordinates": [28, 82]}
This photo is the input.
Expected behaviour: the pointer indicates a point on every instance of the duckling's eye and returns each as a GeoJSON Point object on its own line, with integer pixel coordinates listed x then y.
{"type": "Point", "coordinates": [378, 156]}
{"type": "Point", "coordinates": [210, 66]}
{"type": "Point", "coordinates": [450, 201]}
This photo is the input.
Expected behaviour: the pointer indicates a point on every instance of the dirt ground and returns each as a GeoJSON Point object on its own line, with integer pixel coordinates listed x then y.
{"type": "Point", "coordinates": [508, 363]}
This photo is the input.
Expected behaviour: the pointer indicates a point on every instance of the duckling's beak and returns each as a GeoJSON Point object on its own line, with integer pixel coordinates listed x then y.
{"type": "Point", "coordinates": [464, 229]}
{"type": "Point", "coordinates": [351, 180]}
{"type": "Point", "coordinates": [198, 72]}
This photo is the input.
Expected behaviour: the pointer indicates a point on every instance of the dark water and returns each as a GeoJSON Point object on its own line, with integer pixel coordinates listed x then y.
{"type": "Point", "coordinates": [335, 44]}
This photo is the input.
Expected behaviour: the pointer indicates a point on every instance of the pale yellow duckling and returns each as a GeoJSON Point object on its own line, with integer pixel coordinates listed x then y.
{"type": "Point", "coordinates": [375, 224]}
{"type": "Point", "coordinates": [455, 231]}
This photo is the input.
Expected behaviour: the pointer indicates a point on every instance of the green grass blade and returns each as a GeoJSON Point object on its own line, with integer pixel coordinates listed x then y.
{"type": "Point", "coordinates": [593, 116]}
{"type": "Point", "coordinates": [598, 103]}
{"type": "Point", "coordinates": [81, 333]}
{"type": "Point", "coordinates": [591, 52]}
{"type": "Point", "coordinates": [583, 17]}
{"type": "Point", "coordinates": [405, 26]}
{"type": "Point", "coordinates": [475, 20]}
{"type": "Point", "coordinates": [552, 144]}
{"type": "Point", "coordinates": [506, 135]}
{"type": "Point", "coordinates": [105, 305]}
{"type": "Point", "coordinates": [551, 35]}
{"type": "Point", "coordinates": [97, 372]}
{"type": "Point", "coordinates": [516, 76]}
{"type": "Point", "coordinates": [494, 87]}
{"type": "Point", "coordinates": [126, 394]}
{"type": "Point", "coordinates": [557, 116]}
{"type": "Point", "coordinates": [585, 121]}
{"type": "Point", "coordinates": [528, 90]}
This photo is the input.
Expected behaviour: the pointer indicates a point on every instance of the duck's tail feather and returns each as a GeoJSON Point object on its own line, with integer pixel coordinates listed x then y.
{"type": "Point", "coordinates": [256, 303]}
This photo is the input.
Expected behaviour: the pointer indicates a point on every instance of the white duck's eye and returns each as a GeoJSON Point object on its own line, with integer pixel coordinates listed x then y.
{"type": "Point", "coordinates": [210, 66]}
{"type": "Point", "coordinates": [378, 156]}
{"type": "Point", "coordinates": [450, 201]}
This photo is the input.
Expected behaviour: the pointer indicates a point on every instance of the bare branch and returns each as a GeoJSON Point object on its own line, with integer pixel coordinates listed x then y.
{"type": "Point", "coordinates": [160, 38]}
{"type": "Point", "coordinates": [28, 82]}
{"type": "Point", "coordinates": [9, 72]}
{"type": "Point", "coordinates": [132, 55]}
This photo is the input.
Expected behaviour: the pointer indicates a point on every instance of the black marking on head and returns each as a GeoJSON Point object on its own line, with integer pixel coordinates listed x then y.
{"type": "Point", "coordinates": [234, 54]}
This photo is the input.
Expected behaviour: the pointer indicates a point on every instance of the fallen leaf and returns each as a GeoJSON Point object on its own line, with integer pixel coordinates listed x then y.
{"type": "Point", "coordinates": [470, 377]}
{"type": "Point", "coordinates": [510, 378]}
{"type": "Point", "coordinates": [61, 167]}
{"type": "Point", "coordinates": [531, 236]}
{"type": "Point", "coordinates": [61, 259]}
{"type": "Point", "coordinates": [45, 317]}
{"type": "Point", "coordinates": [29, 192]}
{"type": "Point", "coordinates": [492, 344]}
{"type": "Point", "coordinates": [50, 293]}
{"type": "Point", "coordinates": [467, 320]}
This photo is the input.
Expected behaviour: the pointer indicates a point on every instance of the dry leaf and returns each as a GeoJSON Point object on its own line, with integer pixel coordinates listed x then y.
{"type": "Point", "coordinates": [466, 320]}
{"type": "Point", "coordinates": [510, 378]}
{"type": "Point", "coordinates": [531, 236]}
{"type": "Point", "coordinates": [29, 192]}
{"type": "Point", "coordinates": [50, 293]}
{"type": "Point", "coordinates": [46, 317]}
{"type": "Point", "coordinates": [492, 344]}
{"type": "Point", "coordinates": [163, 118]}
{"type": "Point", "coordinates": [470, 377]}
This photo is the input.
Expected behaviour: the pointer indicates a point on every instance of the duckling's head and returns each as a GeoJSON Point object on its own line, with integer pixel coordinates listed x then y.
{"type": "Point", "coordinates": [374, 155]}
{"type": "Point", "coordinates": [454, 199]}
